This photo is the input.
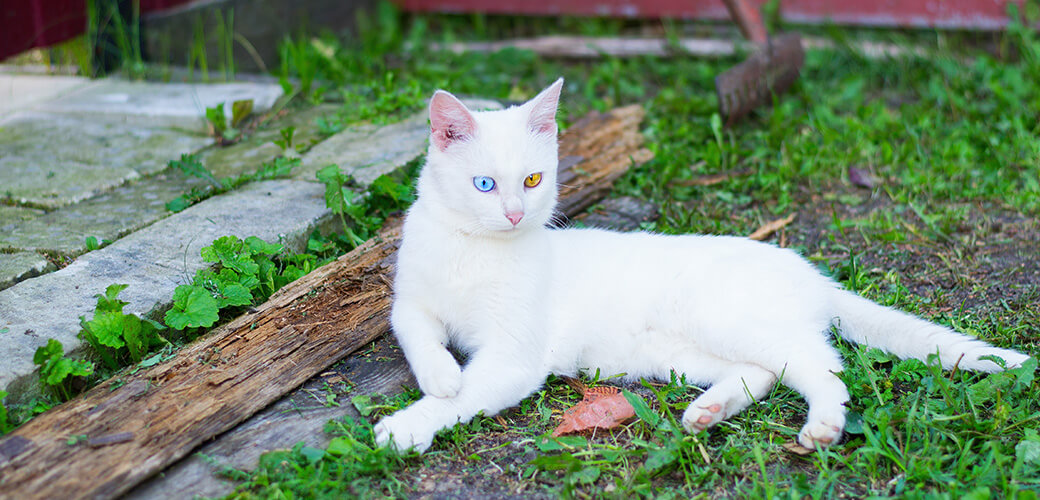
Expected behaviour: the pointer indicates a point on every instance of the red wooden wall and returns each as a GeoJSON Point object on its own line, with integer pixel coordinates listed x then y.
{"type": "Point", "coordinates": [25, 24]}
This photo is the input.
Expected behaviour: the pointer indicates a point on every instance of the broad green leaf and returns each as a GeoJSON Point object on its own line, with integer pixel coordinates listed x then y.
{"type": "Point", "coordinates": [193, 307]}
{"type": "Point", "coordinates": [234, 294]}
{"type": "Point", "coordinates": [330, 174]}
{"type": "Point", "coordinates": [136, 342]}
{"type": "Point", "coordinates": [151, 360]}
{"type": "Point", "coordinates": [550, 443]}
{"type": "Point", "coordinates": [311, 454]}
{"type": "Point", "coordinates": [107, 328]}
{"type": "Point", "coordinates": [109, 302]}
{"type": "Point", "coordinates": [190, 165]}
{"type": "Point", "coordinates": [340, 446]}
{"type": "Point", "coordinates": [52, 350]}
{"type": "Point", "coordinates": [660, 457]}
{"type": "Point", "coordinates": [260, 247]}
{"type": "Point", "coordinates": [179, 203]}
{"type": "Point", "coordinates": [231, 253]}
{"type": "Point", "coordinates": [5, 426]}
{"type": "Point", "coordinates": [240, 109]}
{"type": "Point", "coordinates": [60, 369]}
{"type": "Point", "coordinates": [364, 404]}
{"type": "Point", "coordinates": [586, 475]}
{"type": "Point", "coordinates": [563, 461]}
{"type": "Point", "coordinates": [1028, 449]}
{"type": "Point", "coordinates": [643, 410]}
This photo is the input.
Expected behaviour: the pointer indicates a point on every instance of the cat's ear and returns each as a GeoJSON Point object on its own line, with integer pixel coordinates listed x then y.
{"type": "Point", "coordinates": [543, 109]}
{"type": "Point", "coordinates": [450, 121]}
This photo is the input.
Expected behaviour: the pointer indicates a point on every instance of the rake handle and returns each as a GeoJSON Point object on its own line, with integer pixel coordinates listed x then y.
{"type": "Point", "coordinates": [749, 21]}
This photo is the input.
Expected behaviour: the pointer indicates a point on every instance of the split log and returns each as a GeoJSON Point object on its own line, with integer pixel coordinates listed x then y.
{"type": "Point", "coordinates": [134, 425]}
{"type": "Point", "coordinates": [585, 47]}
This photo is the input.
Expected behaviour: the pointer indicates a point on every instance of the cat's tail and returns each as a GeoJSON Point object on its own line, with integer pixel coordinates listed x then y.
{"type": "Point", "coordinates": [864, 322]}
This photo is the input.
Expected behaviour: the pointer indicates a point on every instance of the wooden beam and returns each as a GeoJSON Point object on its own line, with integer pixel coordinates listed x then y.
{"type": "Point", "coordinates": [136, 424]}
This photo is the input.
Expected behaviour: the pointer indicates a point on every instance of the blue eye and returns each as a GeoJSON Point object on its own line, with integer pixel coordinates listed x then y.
{"type": "Point", "coordinates": [483, 184]}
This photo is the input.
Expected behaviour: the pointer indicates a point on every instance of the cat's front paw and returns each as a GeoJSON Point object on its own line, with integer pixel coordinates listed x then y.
{"type": "Point", "coordinates": [440, 377]}
{"type": "Point", "coordinates": [821, 434]}
{"type": "Point", "coordinates": [399, 430]}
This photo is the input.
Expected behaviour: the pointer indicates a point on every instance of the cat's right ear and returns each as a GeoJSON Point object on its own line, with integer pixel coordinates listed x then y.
{"type": "Point", "coordinates": [450, 121]}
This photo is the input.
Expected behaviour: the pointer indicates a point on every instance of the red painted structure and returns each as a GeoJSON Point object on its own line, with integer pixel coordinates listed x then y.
{"type": "Point", "coordinates": [25, 24]}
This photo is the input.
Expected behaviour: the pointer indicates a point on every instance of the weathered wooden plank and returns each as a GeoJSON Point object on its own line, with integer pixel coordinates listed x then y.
{"type": "Point", "coordinates": [148, 419]}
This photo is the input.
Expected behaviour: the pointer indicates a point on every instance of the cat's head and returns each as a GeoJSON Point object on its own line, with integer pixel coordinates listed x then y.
{"type": "Point", "coordinates": [493, 172]}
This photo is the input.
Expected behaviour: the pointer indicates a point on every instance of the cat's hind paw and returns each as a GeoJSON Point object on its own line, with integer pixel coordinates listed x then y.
{"type": "Point", "coordinates": [697, 418]}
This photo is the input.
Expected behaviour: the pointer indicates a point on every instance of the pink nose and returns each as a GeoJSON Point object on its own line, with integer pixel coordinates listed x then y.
{"type": "Point", "coordinates": [515, 217]}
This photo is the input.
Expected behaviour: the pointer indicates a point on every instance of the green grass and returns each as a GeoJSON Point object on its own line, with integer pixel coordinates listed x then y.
{"type": "Point", "coordinates": [947, 232]}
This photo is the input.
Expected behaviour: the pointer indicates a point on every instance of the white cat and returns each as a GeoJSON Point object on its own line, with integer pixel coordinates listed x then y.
{"type": "Point", "coordinates": [479, 269]}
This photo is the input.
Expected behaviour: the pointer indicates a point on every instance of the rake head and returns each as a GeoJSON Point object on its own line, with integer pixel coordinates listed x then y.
{"type": "Point", "coordinates": [768, 71]}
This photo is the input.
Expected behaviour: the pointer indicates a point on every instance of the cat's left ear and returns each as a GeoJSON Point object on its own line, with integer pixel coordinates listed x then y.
{"type": "Point", "coordinates": [543, 109]}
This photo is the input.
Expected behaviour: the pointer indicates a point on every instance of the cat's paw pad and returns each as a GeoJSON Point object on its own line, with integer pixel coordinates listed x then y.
{"type": "Point", "coordinates": [698, 417]}
{"type": "Point", "coordinates": [396, 431]}
{"type": "Point", "coordinates": [444, 381]}
{"type": "Point", "coordinates": [821, 434]}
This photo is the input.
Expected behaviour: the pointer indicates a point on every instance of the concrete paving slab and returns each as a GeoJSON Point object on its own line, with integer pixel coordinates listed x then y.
{"type": "Point", "coordinates": [25, 91]}
{"type": "Point", "coordinates": [53, 160]}
{"type": "Point", "coordinates": [153, 261]}
{"type": "Point", "coordinates": [108, 216]}
{"type": "Point", "coordinates": [366, 152]}
{"type": "Point", "coordinates": [19, 266]}
{"type": "Point", "coordinates": [249, 154]}
{"type": "Point", "coordinates": [11, 216]}
{"type": "Point", "coordinates": [162, 104]}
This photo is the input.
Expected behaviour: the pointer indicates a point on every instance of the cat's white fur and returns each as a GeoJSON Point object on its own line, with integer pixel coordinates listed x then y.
{"type": "Point", "coordinates": [524, 300]}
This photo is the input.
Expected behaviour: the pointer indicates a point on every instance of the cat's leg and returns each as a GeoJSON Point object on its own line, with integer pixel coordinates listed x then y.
{"type": "Point", "coordinates": [494, 379]}
{"type": "Point", "coordinates": [739, 386]}
{"type": "Point", "coordinates": [424, 341]}
{"type": "Point", "coordinates": [815, 377]}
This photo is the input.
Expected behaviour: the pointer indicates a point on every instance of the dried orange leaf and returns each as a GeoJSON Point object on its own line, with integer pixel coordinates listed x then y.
{"type": "Point", "coordinates": [601, 408]}
{"type": "Point", "coordinates": [797, 449]}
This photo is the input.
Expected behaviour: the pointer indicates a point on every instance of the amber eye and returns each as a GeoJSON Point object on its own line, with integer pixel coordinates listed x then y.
{"type": "Point", "coordinates": [533, 179]}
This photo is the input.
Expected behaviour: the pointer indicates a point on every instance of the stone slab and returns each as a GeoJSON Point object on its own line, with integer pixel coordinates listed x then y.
{"type": "Point", "coordinates": [153, 261]}
{"type": "Point", "coordinates": [366, 152]}
{"type": "Point", "coordinates": [258, 148]}
{"type": "Point", "coordinates": [108, 216]}
{"type": "Point", "coordinates": [52, 160]}
{"type": "Point", "coordinates": [25, 91]}
{"type": "Point", "coordinates": [11, 216]}
{"type": "Point", "coordinates": [162, 104]}
{"type": "Point", "coordinates": [19, 266]}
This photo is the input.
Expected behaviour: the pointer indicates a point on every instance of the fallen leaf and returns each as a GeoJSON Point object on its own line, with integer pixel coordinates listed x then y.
{"type": "Point", "coordinates": [770, 228]}
{"type": "Point", "coordinates": [797, 449]}
{"type": "Point", "coordinates": [602, 408]}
